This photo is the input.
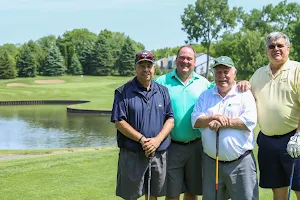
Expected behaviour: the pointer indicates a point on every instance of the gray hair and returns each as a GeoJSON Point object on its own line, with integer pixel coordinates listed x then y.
{"type": "Point", "coordinates": [233, 70]}
{"type": "Point", "coordinates": [276, 36]}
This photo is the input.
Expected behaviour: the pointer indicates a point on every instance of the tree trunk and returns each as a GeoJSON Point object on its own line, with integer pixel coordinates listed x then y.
{"type": "Point", "coordinates": [207, 60]}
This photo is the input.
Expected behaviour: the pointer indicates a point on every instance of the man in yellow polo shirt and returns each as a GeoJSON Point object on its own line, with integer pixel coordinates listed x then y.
{"type": "Point", "coordinates": [276, 88]}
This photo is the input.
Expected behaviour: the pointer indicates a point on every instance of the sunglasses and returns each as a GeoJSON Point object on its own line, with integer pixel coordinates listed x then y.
{"type": "Point", "coordinates": [144, 56]}
{"type": "Point", "coordinates": [279, 46]}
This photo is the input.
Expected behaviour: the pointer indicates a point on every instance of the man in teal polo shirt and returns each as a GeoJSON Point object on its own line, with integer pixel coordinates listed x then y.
{"type": "Point", "coordinates": [184, 172]}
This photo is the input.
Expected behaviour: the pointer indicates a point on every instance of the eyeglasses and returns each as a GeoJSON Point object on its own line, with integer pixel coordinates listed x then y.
{"type": "Point", "coordinates": [279, 46]}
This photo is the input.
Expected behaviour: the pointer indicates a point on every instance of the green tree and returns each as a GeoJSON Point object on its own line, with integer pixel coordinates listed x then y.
{"type": "Point", "coordinates": [54, 63]}
{"type": "Point", "coordinates": [206, 20]}
{"type": "Point", "coordinates": [127, 58]}
{"type": "Point", "coordinates": [86, 58]}
{"type": "Point", "coordinates": [7, 66]}
{"type": "Point", "coordinates": [75, 67]}
{"type": "Point", "coordinates": [11, 49]}
{"type": "Point", "coordinates": [45, 43]}
{"type": "Point", "coordinates": [27, 62]}
{"type": "Point", "coordinates": [246, 48]}
{"type": "Point", "coordinates": [101, 60]}
{"type": "Point", "coordinates": [38, 53]}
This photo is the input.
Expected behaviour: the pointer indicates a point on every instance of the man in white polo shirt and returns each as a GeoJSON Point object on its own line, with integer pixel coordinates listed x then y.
{"type": "Point", "coordinates": [233, 113]}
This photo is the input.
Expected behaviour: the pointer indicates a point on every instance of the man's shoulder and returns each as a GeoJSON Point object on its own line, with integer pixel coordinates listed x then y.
{"type": "Point", "coordinates": [123, 88]}
{"type": "Point", "coordinates": [160, 86]}
{"type": "Point", "coordinates": [163, 79]}
{"type": "Point", "coordinates": [207, 93]}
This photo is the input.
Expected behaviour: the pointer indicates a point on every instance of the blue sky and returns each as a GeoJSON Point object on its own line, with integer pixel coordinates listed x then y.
{"type": "Point", "coordinates": [154, 23]}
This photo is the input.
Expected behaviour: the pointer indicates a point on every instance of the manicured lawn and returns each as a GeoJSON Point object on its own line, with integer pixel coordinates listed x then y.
{"type": "Point", "coordinates": [98, 89]}
{"type": "Point", "coordinates": [78, 175]}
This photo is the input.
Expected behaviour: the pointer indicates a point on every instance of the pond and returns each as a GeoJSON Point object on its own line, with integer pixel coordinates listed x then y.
{"type": "Point", "coordinates": [50, 126]}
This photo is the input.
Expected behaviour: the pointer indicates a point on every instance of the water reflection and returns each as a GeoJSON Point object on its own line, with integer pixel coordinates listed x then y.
{"type": "Point", "coordinates": [50, 126]}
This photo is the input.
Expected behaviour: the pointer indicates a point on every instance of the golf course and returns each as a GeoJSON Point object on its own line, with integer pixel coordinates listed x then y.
{"type": "Point", "coordinates": [69, 173]}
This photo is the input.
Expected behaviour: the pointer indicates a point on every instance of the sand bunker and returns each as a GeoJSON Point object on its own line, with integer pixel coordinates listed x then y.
{"type": "Point", "coordinates": [16, 84]}
{"type": "Point", "coordinates": [49, 81]}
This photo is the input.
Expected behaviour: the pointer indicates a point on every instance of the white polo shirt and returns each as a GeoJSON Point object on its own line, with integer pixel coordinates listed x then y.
{"type": "Point", "coordinates": [232, 142]}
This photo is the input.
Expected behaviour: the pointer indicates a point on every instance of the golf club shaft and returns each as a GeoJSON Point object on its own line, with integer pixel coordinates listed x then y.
{"type": "Point", "coordinates": [217, 164]}
{"type": "Point", "coordinates": [291, 180]}
{"type": "Point", "coordinates": [149, 175]}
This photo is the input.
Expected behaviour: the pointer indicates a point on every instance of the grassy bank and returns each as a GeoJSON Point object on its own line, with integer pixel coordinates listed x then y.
{"type": "Point", "coordinates": [88, 174]}
{"type": "Point", "coordinates": [98, 89]}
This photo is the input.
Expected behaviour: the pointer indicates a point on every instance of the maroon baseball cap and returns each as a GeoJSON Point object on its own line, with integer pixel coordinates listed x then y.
{"type": "Point", "coordinates": [144, 56]}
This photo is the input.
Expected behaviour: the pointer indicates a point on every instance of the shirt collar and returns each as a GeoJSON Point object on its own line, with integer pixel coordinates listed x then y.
{"type": "Point", "coordinates": [232, 92]}
{"type": "Point", "coordinates": [175, 75]}
{"type": "Point", "coordinates": [284, 67]}
{"type": "Point", "coordinates": [138, 87]}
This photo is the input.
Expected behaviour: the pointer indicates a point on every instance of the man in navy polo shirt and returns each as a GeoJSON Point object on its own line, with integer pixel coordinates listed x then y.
{"type": "Point", "coordinates": [143, 116]}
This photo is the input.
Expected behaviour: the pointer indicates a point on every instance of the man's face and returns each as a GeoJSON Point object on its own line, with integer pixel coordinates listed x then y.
{"type": "Point", "coordinates": [224, 77]}
{"type": "Point", "coordinates": [185, 62]}
{"type": "Point", "coordinates": [277, 51]}
{"type": "Point", "coordinates": [144, 70]}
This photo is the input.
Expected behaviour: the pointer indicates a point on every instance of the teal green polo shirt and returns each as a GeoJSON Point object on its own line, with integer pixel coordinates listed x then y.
{"type": "Point", "coordinates": [183, 98]}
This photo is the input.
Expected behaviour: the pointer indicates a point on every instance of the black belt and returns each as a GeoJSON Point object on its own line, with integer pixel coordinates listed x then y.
{"type": "Point", "coordinates": [289, 134]}
{"type": "Point", "coordinates": [242, 156]}
{"type": "Point", "coordinates": [185, 143]}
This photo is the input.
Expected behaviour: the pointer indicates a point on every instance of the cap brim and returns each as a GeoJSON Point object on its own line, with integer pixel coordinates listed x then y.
{"type": "Point", "coordinates": [223, 64]}
{"type": "Point", "coordinates": [145, 60]}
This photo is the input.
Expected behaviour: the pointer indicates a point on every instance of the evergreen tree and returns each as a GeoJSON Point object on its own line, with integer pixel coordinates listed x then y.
{"type": "Point", "coordinates": [7, 66]}
{"type": "Point", "coordinates": [127, 58]}
{"type": "Point", "coordinates": [85, 58]}
{"type": "Point", "coordinates": [26, 62]}
{"type": "Point", "coordinates": [54, 63]}
{"type": "Point", "coordinates": [75, 68]}
{"type": "Point", "coordinates": [102, 59]}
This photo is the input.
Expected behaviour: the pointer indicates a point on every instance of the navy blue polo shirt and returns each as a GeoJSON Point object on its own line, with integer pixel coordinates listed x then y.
{"type": "Point", "coordinates": [146, 111]}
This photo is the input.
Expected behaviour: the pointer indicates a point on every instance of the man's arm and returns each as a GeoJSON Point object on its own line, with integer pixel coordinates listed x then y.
{"type": "Point", "coordinates": [127, 130]}
{"type": "Point", "coordinates": [151, 144]}
{"type": "Point", "coordinates": [236, 123]}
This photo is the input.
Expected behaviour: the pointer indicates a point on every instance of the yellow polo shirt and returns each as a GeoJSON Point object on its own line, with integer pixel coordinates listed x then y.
{"type": "Point", "coordinates": [277, 98]}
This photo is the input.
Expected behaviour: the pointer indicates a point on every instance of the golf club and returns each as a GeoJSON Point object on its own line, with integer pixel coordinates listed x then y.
{"type": "Point", "coordinates": [149, 174]}
{"type": "Point", "coordinates": [217, 164]}
{"type": "Point", "coordinates": [291, 180]}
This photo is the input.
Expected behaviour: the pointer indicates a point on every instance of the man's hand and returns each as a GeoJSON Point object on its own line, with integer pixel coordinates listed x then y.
{"type": "Point", "coordinates": [214, 125]}
{"type": "Point", "coordinates": [224, 120]}
{"type": "Point", "coordinates": [150, 145]}
{"type": "Point", "coordinates": [293, 146]}
{"type": "Point", "coordinates": [243, 86]}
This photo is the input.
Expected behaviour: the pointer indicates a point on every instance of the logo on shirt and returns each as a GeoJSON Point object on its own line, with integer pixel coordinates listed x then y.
{"type": "Point", "coordinates": [159, 105]}
{"type": "Point", "coordinates": [283, 80]}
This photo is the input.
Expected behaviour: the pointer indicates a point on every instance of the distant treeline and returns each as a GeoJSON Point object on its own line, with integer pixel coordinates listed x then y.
{"type": "Point", "coordinates": [230, 32]}
{"type": "Point", "coordinates": [76, 52]}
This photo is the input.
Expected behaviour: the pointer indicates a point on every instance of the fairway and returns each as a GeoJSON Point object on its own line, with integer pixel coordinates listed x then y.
{"type": "Point", "coordinates": [97, 89]}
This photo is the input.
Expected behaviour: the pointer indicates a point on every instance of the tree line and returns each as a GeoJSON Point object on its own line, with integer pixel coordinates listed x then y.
{"type": "Point", "coordinates": [211, 25]}
{"type": "Point", "coordinates": [76, 52]}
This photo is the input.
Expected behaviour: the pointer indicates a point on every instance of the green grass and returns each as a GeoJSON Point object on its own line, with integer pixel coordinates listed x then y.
{"type": "Point", "coordinates": [98, 89]}
{"type": "Point", "coordinates": [89, 174]}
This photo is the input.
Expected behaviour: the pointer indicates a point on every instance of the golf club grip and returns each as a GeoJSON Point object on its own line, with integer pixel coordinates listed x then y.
{"type": "Point", "coordinates": [217, 173]}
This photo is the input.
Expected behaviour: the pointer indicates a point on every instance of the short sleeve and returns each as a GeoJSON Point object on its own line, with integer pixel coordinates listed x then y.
{"type": "Point", "coordinates": [198, 110]}
{"type": "Point", "coordinates": [118, 110]}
